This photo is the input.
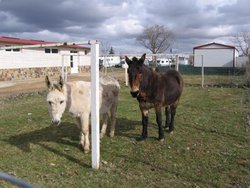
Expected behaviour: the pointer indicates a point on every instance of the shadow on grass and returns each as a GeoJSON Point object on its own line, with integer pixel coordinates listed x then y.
{"type": "Point", "coordinates": [55, 134]}
{"type": "Point", "coordinates": [66, 134]}
{"type": "Point", "coordinates": [220, 133]}
{"type": "Point", "coordinates": [168, 167]}
{"type": "Point", "coordinates": [126, 128]}
{"type": "Point", "coordinates": [132, 129]}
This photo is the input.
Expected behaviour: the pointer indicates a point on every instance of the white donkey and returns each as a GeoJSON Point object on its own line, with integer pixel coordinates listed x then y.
{"type": "Point", "coordinates": [76, 98]}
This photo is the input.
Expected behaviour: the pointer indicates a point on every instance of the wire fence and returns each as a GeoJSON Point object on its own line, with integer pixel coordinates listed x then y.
{"type": "Point", "coordinates": [212, 76]}
{"type": "Point", "coordinates": [194, 75]}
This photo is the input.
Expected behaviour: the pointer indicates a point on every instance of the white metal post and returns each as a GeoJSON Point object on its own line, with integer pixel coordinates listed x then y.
{"type": "Point", "coordinates": [66, 69]}
{"type": "Point", "coordinates": [63, 75]}
{"type": "Point", "coordinates": [177, 63]}
{"type": "Point", "coordinates": [202, 71]}
{"type": "Point", "coordinates": [126, 75]}
{"type": "Point", "coordinates": [95, 134]}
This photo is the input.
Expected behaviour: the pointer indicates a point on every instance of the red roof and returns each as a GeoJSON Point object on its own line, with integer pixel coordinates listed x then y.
{"type": "Point", "coordinates": [12, 40]}
{"type": "Point", "coordinates": [22, 41]}
{"type": "Point", "coordinates": [214, 43]}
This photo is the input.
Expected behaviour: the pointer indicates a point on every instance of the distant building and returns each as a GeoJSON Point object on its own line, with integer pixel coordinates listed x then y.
{"type": "Point", "coordinates": [162, 62]}
{"type": "Point", "coordinates": [110, 60]}
{"type": "Point", "coordinates": [22, 63]}
{"type": "Point", "coordinates": [215, 55]}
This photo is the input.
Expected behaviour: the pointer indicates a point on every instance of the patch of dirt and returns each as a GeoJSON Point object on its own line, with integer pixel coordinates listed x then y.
{"type": "Point", "coordinates": [16, 87]}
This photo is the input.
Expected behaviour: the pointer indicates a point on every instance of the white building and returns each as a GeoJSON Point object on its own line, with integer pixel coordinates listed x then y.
{"type": "Point", "coordinates": [37, 62]}
{"type": "Point", "coordinates": [215, 55]}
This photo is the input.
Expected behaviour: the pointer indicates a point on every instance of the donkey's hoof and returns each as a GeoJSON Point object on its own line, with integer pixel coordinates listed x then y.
{"type": "Point", "coordinates": [170, 131]}
{"type": "Point", "coordinates": [101, 135]}
{"type": "Point", "coordinates": [141, 139]}
{"type": "Point", "coordinates": [86, 151]}
{"type": "Point", "coordinates": [161, 139]}
{"type": "Point", "coordinates": [112, 134]}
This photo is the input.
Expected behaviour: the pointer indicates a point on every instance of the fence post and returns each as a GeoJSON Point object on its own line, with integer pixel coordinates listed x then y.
{"type": "Point", "coordinates": [63, 73]}
{"type": "Point", "coordinates": [177, 63]}
{"type": "Point", "coordinates": [95, 133]}
{"type": "Point", "coordinates": [202, 72]}
{"type": "Point", "coordinates": [126, 75]}
{"type": "Point", "coordinates": [248, 67]}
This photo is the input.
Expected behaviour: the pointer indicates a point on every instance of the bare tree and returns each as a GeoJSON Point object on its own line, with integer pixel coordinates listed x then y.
{"type": "Point", "coordinates": [105, 47]}
{"type": "Point", "coordinates": [242, 41]}
{"type": "Point", "coordinates": [156, 38]}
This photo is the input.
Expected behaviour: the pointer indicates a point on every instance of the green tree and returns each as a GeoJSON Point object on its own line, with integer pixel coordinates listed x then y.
{"type": "Point", "coordinates": [111, 51]}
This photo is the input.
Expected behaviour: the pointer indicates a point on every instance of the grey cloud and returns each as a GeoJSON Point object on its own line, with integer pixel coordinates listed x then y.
{"type": "Point", "coordinates": [57, 13]}
{"type": "Point", "coordinates": [237, 15]}
{"type": "Point", "coordinates": [82, 19]}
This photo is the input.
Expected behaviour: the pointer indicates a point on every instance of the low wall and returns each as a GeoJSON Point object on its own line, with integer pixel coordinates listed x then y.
{"type": "Point", "coordinates": [26, 73]}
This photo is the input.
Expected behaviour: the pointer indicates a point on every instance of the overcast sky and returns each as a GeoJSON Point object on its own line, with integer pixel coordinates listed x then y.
{"type": "Point", "coordinates": [117, 23]}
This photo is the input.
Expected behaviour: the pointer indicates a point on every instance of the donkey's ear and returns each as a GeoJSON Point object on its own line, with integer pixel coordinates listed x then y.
{"type": "Point", "coordinates": [142, 59]}
{"type": "Point", "coordinates": [128, 61]}
{"type": "Point", "coordinates": [60, 82]}
{"type": "Point", "coordinates": [48, 83]}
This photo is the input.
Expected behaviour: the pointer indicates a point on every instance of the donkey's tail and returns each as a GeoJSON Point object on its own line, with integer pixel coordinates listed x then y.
{"type": "Point", "coordinates": [179, 79]}
{"type": "Point", "coordinates": [177, 76]}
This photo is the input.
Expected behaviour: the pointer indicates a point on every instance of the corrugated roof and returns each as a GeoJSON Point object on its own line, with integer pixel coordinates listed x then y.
{"type": "Point", "coordinates": [12, 40]}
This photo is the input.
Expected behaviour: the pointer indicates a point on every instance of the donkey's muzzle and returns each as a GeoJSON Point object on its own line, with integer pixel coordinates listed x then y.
{"type": "Point", "coordinates": [134, 93]}
{"type": "Point", "coordinates": [56, 122]}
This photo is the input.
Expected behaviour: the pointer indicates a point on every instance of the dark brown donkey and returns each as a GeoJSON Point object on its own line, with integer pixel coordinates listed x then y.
{"type": "Point", "coordinates": [154, 90]}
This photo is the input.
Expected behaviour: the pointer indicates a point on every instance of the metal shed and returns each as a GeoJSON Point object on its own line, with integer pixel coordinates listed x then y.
{"type": "Point", "coordinates": [215, 55]}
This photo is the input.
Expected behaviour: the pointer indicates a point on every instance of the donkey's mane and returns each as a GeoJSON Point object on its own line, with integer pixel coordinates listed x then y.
{"type": "Point", "coordinates": [149, 76]}
{"type": "Point", "coordinates": [134, 59]}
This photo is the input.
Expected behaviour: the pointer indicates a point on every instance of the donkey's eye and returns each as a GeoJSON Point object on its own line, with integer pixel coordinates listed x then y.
{"type": "Point", "coordinates": [50, 102]}
{"type": "Point", "coordinates": [61, 102]}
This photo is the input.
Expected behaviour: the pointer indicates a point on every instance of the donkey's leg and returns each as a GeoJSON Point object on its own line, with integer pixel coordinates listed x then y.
{"type": "Point", "coordinates": [79, 125]}
{"type": "Point", "coordinates": [78, 120]}
{"type": "Point", "coordinates": [144, 113]}
{"type": "Point", "coordinates": [104, 124]}
{"type": "Point", "coordinates": [168, 117]}
{"type": "Point", "coordinates": [113, 119]}
{"type": "Point", "coordinates": [85, 131]}
{"type": "Point", "coordinates": [159, 122]}
{"type": "Point", "coordinates": [172, 111]}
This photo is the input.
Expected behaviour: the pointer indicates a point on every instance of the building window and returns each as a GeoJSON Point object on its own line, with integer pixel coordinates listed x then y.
{"type": "Point", "coordinates": [86, 52]}
{"type": "Point", "coordinates": [71, 61]}
{"type": "Point", "coordinates": [54, 51]}
{"type": "Point", "coordinates": [51, 50]}
{"type": "Point", "coordinates": [73, 52]}
{"type": "Point", "coordinates": [12, 50]}
{"type": "Point", "coordinates": [47, 50]}
{"type": "Point", "coordinates": [16, 50]}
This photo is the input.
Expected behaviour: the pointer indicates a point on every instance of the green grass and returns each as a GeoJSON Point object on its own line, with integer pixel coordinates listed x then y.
{"type": "Point", "coordinates": [209, 147]}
